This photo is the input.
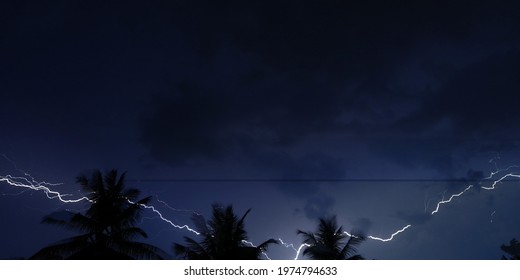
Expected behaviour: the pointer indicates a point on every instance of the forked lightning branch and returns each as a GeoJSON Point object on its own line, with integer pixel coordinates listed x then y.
{"type": "Point", "coordinates": [27, 182]}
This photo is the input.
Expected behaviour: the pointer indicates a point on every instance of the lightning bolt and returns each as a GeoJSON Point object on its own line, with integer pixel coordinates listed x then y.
{"type": "Point", "coordinates": [186, 227]}
{"type": "Point", "coordinates": [300, 249]}
{"type": "Point", "coordinates": [438, 206]}
{"type": "Point", "coordinates": [287, 245]}
{"type": "Point", "coordinates": [491, 187]}
{"type": "Point", "coordinates": [249, 243]}
{"type": "Point", "coordinates": [450, 199]}
{"type": "Point", "coordinates": [28, 182]}
{"type": "Point", "coordinates": [31, 184]}
{"type": "Point", "coordinates": [391, 236]}
{"type": "Point", "coordinates": [291, 246]}
{"type": "Point", "coordinates": [23, 182]}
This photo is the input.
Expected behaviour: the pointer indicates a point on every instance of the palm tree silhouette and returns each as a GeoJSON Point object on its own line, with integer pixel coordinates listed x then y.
{"type": "Point", "coordinates": [222, 238]}
{"type": "Point", "coordinates": [513, 250]}
{"type": "Point", "coordinates": [108, 226]}
{"type": "Point", "coordinates": [328, 242]}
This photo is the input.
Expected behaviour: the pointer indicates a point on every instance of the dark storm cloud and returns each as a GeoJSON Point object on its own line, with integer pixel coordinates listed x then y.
{"type": "Point", "coordinates": [305, 36]}
{"type": "Point", "coordinates": [318, 207]}
{"type": "Point", "coordinates": [200, 122]}
{"type": "Point", "coordinates": [474, 176]}
{"type": "Point", "coordinates": [472, 113]}
{"type": "Point", "coordinates": [273, 77]}
{"type": "Point", "coordinates": [414, 218]}
{"type": "Point", "coordinates": [476, 101]}
{"type": "Point", "coordinates": [362, 225]}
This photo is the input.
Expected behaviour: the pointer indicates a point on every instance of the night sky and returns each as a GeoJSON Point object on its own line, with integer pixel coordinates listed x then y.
{"type": "Point", "coordinates": [372, 111]}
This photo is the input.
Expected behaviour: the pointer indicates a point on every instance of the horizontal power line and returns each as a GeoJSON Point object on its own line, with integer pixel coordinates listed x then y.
{"type": "Point", "coordinates": [245, 180]}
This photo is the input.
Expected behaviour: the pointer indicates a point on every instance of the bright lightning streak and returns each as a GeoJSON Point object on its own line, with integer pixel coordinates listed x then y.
{"type": "Point", "coordinates": [44, 186]}
{"type": "Point", "coordinates": [379, 238]}
{"type": "Point", "coordinates": [249, 243]}
{"type": "Point", "coordinates": [30, 183]}
{"type": "Point", "coordinates": [186, 227]}
{"type": "Point", "coordinates": [501, 170]}
{"type": "Point", "coordinates": [492, 187]}
{"type": "Point", "coordinates": [291, 246]}
{"type": "Point", "coordinates": [23, 182]}
{"type": "Point", "coordinates": [300, 249]}
{"type": "Point", "coordinates": [391, 236]}
{"type": "Point", "coordinates": [450, 199]}
{"type": "Point", "coordinates": [287, 245]}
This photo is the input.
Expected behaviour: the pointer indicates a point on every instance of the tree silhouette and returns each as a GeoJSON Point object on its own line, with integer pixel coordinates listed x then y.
{"type": "Point", "coordinates": [328, 243]}
{"type": "Point", "coordinates": [513, 250]}
{"type": "Point", "coordinates": [222, 238]}
{"type": "Point", "coordinates": [108, 226]}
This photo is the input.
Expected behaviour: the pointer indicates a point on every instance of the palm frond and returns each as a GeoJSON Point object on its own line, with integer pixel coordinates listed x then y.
{"type": "Point", "coordinates": [130, 233]}
{"type": "Point", "coordinates": [350, 249]}
{"type": "Point", "coordinates": [193, 249]}
{"type": "Point", "coordinates": [64, 248]}
{"type": "Point", "coordinates": [327, 243]}
{"type": "Point", "coordinates": [241, 221]}
{"type": "Point", "coordinates": [139, 250]}
{"type": "Point", "coordinates": [132, 194]}
{"type": "Point", "coordinates": [131, 212]}
{"type": "Point", "coordinates": [96, 183]}
{"type": "Point", "coordinates": [263, 246]}
{"type": "Point", "coordinates": [121, 182]}
{"type": "Point", "coordinates": [75, 222]}
{"type": "Point", "coordinates": [108, 224]}
{"type": "Point", "coordinates": [308, 237]}
{"type": "Point", "coordinates": [200, 224]}
{"type": "Point", "coordinates": [110, 180]}
{"type": "Point", "coordinates": [221, 237]}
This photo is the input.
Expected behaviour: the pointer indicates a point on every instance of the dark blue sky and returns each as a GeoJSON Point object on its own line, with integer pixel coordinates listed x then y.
{"type": "Point", "coordinates": [406, 101]}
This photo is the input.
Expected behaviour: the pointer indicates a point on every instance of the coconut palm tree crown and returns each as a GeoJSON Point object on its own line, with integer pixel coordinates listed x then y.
{"type": "Point", "coordinates": [512, 250]}
{"type": "Point", "coordinates": [328, 243]}
{"type": "Point", "coordinates": [108, 226]}
{"type": "Point", "coordinates": [222, 238]}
